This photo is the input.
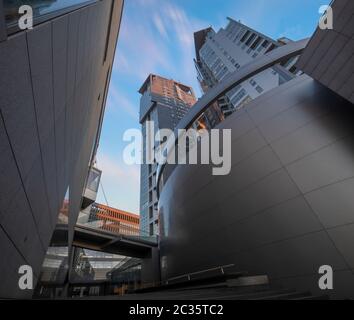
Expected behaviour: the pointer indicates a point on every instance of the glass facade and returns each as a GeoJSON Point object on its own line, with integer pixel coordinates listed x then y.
{"type": "Point", "coordinates": [100, 273]}
{"type": "Point", "coordinates": [93, 179]}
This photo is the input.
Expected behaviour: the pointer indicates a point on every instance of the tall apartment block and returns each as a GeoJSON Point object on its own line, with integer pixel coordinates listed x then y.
{"type": "Point", "coordinates": [54, 80]}
{"type": "Point", "coordinates": [220, 53]}
{"type": "Point", "coordinates": [164, 102]}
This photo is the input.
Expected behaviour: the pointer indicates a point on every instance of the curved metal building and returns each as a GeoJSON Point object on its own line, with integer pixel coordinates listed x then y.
{"type": "Point", "coordinates": [287, 206]}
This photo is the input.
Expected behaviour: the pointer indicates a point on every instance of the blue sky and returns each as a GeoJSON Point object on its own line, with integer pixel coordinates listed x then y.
{"type": "Point", "coordinates": [157, 37]}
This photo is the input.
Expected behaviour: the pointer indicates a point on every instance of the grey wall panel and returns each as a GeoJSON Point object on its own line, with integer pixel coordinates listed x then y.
{"type": "Point", "coordinates": [9, 283]}
{"type": "Point", "coordinates": [279, 102]}
{"type": "Point", "coordinates": [21, 126]}
{"type": "Point", "coordinates": [18, 222]}
{"type": "Point", "coordinates": [263, 217]}
{"type": "Point", "coordinates": [329, 55]}
{"type": "Point", "coordinates": [290, 120]}
{"type": "Point", "coordinates": [289, 219]}
{"type": "Point", "coordinates": [81, 46]}
{"type": "Point", "coordinates": [74, 19]}
{"type": "Point", "coordinates": [60, 52]}
{"type": "Point", "coordinates": [321, 50]}
{"type": "Point", "coordinates": [264, 194]}
{"type": "Point", "coordinates": [343, 238]}
{"type": "Point", "coordinates": [303, 259]}
{"type": "Point", "coordinates": [333, 203]}
{"type": "Point", "coordinates": [59, 46]}
{"type": "Point", "coordinates": [17, 218]}
{"type": "Point", "coordinates": [333, 163]}
{"type": "Point", "coordinates": [343, 10]}
{"type": "Point", "coordinates": [41, 64]}
{"type": "Point", "coordinates": [60, 152]}
{"type": "Point", "coordinates": [313, 136]}
{"type": "Point", "coordinates": [73, 30]}
{"type": "Point", "coordinates": [37, 196]}
{"type": "Point", "coordinates": [8, 169]}
{"type": "Point", "coordinates": [244, 149]}
{"type": "Point", "coordinates": [341, 76]}
{"type": "Point", "coordinates": [331, 75]}
{"type": "Point", "coordinates": [347, 89]}
{"type": "Point", "coordinates": [78, 106]}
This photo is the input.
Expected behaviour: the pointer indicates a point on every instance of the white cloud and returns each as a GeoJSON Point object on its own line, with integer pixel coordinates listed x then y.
{"type": "Point", "coordinates": [157, 37]}
{"type": "Point", "coordinates": [117, 101]}
{"type": "Point", "coordinates": [120, 183]}
{"type": "Point", "coordinates": [143, 49]}
{"type": "Point", "coordinates": [160, 26]}
{"type": "Point", "coordinates": [183, 27]}
{"type": "Point", "coordinates": [117, 171]}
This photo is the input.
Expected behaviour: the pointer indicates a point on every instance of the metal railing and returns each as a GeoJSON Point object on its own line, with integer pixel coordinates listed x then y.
{"type": "Point", "coordinates": [103, 221]}
{"type": "Point", "coordinates": [189, 276]}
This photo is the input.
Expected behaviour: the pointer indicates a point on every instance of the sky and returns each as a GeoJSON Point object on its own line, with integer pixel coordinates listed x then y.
{"type": "Point", "coordinates": [156, 36]}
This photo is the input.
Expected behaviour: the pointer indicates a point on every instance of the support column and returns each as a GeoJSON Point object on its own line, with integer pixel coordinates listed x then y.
{"type": "Point", "coordinates": [150, 268]}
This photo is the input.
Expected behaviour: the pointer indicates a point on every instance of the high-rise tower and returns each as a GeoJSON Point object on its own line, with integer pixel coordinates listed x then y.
{"type": "Point", "coordinates": [164, 102]}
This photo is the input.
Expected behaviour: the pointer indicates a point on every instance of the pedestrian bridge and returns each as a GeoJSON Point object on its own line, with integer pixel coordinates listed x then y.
{"type": "Point", "coordinates": [105, 241]}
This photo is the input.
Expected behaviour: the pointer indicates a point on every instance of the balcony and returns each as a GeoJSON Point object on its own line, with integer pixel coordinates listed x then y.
{"type": "Point", "coordinates": [91, 188]}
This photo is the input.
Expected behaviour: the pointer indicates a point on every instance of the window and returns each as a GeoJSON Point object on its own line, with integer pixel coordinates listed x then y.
{"type": "Point", "coordinates": [238, 97]}
{"type": "Point", "coordinates": [265, 44]}
{"type": "Point", "coordinates": [256, 43]}
{"type": "Point", "coordinates": [292, 69]}
{"type": "Point", "coordinates": [259, 89]}
{"type": "Point", "coordinates": [251, 38]}
{"type": "Point", "coordinates": [239, 35]}
{"type": "Point", "coordinates": [221, 75]}
{"type": "Point", "coordinates": [233, 91]}
{"type": "Point", "coordinates": [252, 82]}
{"type": "Point", "coordinates": [93, 179]}
{"type": "Point", "coordinates": [272, 47]}
{"type": "Point", "coordinates": [245, 36]}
